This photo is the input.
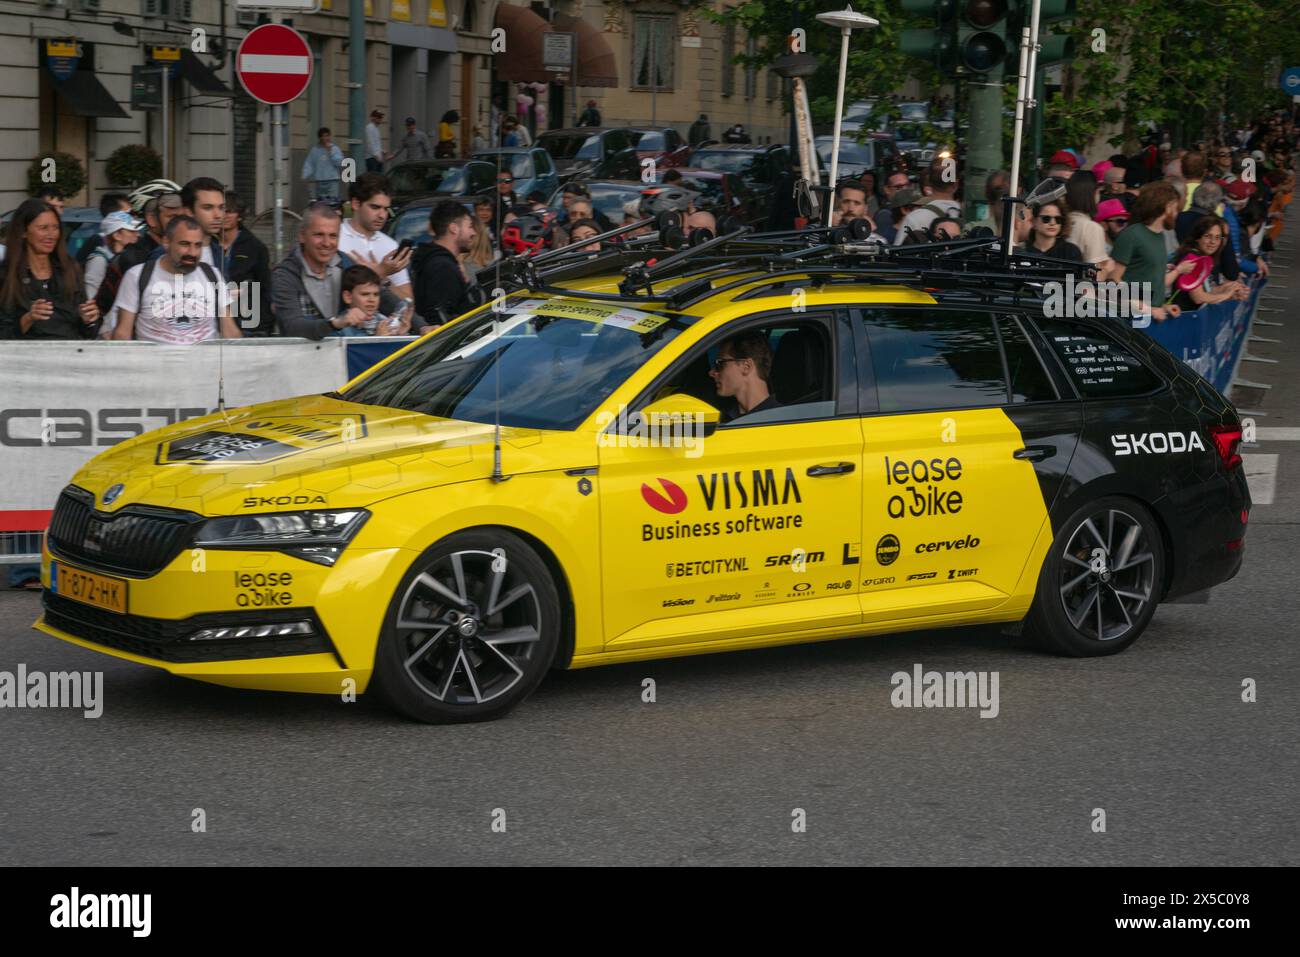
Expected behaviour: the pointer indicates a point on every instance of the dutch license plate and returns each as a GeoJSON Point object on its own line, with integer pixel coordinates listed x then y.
{"type": "Point", "coordinates": [88, 587]}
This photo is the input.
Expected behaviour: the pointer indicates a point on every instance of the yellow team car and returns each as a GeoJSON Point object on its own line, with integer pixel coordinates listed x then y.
{"type": "Point", "coordinates": [693, 456]}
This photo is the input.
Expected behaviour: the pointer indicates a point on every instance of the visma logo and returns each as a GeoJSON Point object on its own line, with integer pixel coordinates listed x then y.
{"type": "Point", "coordinates": [671, 503]}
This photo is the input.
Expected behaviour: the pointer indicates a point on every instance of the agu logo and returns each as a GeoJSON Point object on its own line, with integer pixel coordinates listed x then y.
{"type": "Point", "coordinates": [671, 501]}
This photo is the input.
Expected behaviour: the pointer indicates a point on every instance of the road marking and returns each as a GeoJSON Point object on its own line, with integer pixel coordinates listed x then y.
{"type": "Point", "coordinates": [1277, 434]}
{"type": "Point", "coordinates": [1261, 476]}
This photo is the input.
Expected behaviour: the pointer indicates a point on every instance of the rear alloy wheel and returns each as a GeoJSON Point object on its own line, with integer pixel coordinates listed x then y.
{"type": "Point", "coordinates": [1101, 581]}
{"type": "Point", "coordinates": [471, 631]}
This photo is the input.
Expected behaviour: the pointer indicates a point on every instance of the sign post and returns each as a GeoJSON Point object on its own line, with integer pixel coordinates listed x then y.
{"type": "Point", "coordinates": [558, 51]}
{"type": "Point", "coordinates": [274, 65]}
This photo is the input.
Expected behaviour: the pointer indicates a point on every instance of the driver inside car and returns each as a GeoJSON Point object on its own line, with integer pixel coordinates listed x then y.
{"type": "Point", "coordinates": [741, 374]}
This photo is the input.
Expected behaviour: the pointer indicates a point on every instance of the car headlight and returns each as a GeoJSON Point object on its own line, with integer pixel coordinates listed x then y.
{"type": "Point", "coordinates": [317, 536]}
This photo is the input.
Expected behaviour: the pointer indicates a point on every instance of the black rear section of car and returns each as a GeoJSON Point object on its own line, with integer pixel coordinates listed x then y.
{"type": "Point", "coordinates": [1155, 431]}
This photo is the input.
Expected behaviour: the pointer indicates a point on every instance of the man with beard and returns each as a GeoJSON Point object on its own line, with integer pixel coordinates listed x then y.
{"type": "Point", "coordinates": [1139, 251]}
{"type": "Point", "coordinates": [440, 283]}
{"type": "Point", "coordinates": [177, 298]}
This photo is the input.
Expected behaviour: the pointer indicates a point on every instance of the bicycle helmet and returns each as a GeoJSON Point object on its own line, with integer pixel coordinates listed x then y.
{"type": "Point", "coordinates": [150, 190]}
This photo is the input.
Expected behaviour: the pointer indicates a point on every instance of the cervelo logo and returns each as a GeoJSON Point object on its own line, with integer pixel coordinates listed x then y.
{"type": "Point", "coordinates": [670, 504]}
{"type": "Point", "coordinates": [1156, 442]}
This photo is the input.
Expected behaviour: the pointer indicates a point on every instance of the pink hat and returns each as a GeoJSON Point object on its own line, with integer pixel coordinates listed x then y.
{"type": "Point", "coordinates": [1110, 209]}
{"type": "Point", "coordinates": [1099, 169]}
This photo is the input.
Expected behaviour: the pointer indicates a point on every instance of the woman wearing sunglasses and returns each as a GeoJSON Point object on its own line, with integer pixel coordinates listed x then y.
{"type": "Point", "coordinates": [1049, 234]}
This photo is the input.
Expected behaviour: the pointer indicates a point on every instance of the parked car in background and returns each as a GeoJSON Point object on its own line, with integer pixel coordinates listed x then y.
{"type": "Point", "coordinates": [720, 193]}
{"type": "Point", "coordinates": [759, 167]}
{"type": "Point", "coordinates": [592, 153]}
{"type": "Point", "coordinates": [412, 220]}
{"type": "Point", "coordinates": [608, 197]}
{"type": "Point", "coordinates": [664, 145]}
{"type": "Point", "coordinates": [876, 152]}
{"type": "Point", "coordinates": [443, 177]}
{"type": "Point", "coordinates": [531, 166]}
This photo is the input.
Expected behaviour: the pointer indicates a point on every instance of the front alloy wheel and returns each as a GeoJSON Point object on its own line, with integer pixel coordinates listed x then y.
{"type": "Point", "coordinates": [1100, 583]}
{"type": "Point", "coordinates": [471, 631]}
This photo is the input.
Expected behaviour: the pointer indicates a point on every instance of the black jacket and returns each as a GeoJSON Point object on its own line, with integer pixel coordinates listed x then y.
{"type": "Point", "coordinates": [249, 261]}
{"type": "Point", "coordinates": [438, 283]}
{"type": "Point", "coordinates": [65, 292]}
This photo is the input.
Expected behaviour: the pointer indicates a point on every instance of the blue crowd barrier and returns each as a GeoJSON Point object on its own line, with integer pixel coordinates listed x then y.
{"type": "Point", "coordinates": [1211, 339]}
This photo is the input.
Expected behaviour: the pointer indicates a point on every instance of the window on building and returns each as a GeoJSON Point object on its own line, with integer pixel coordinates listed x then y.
{"type": "Point", "coordinates": [751, 71]}
{"type": "Point", "coordinates": [652, 52]}
{"type": "Point", "coordinates": [773, 85]}
{"type": "Point", "coordinates": [728, 55]}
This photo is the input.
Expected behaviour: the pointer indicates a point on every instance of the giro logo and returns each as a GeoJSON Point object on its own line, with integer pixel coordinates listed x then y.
{"type": "Point", "coordinates": [671, 503]}
{"type": "Point", "coordinates": [1157, 442]}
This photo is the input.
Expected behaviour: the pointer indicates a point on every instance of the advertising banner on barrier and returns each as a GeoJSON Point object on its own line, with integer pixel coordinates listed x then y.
{"type": "Point", "coordinates": [63, 403]}
{"type": "Point", "coordinates": [1212, 338]}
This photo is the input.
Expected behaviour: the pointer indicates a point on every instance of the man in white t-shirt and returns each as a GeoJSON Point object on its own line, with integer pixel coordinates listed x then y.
{"type": "Point", "coordinates": [176, 299]}
{"type": "Point", "coordinates": [363, 240]}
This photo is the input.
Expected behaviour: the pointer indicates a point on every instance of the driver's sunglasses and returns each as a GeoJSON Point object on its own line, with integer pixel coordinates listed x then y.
{"type": "Point", "coordinates": [504, 179]}
{"type": "Point", "coordinates": [1049, 219]}
{"type": "Point", "coordinates": [721, 361]}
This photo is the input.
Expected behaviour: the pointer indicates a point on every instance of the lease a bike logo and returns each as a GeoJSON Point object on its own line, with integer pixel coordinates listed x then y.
{"type": "Point", "coordinates": [925, 487]}
{"type": "Point", "coordinates": [670, 501]}
{"type": "Point", "coordinates": [1156, 442]}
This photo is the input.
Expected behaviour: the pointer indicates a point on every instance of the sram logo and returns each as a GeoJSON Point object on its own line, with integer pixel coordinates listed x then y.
{"type": "Point", "coordinates": [1137, 443]}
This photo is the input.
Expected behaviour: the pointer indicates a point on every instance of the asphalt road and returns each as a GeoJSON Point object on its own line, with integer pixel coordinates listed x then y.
{"type": "Point", "coordinates": [711, 773]}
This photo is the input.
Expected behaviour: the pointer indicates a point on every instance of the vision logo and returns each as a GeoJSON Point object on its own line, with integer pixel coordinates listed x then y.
{"type": "Point", "coordinates": [671, 503]}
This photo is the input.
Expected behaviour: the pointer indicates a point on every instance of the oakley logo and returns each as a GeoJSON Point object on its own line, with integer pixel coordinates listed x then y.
{"type": "Point", "coordinates": [671, 503]}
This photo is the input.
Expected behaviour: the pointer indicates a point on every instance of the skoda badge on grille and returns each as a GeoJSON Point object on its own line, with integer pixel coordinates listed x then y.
{"type": "Point", "coordinates": [111, 493]}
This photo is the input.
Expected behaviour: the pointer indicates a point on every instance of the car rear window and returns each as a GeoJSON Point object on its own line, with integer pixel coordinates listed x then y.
{"type": "Point", "coordinates": [1099, 366]}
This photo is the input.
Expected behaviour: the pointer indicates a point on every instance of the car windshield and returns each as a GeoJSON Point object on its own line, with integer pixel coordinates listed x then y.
{"type": "Point", "coordinates": [652, 141]}
{"type": "Point", "coordinates": [858, 154]}
{"type": "Point", "coordinates": [429, 179]}
{"type": "Point", "coordinates": [413, 224]}
{"type": "Point", "coordinates": [729, 161]}
{"type": "Point", "coordinates": [568, 146]}
{"type": "Point", "coordinates": [519, 164]}
{"type": "Point", "coordinates": [552, 362]}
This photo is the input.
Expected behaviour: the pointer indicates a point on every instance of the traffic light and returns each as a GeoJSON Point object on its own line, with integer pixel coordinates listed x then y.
{"type": "Point", "coordinates": [938, 45]}
{"type": "Point", "coordinates": [982, 36]}
{"type": "Point", "coordinates": [1053, 48]}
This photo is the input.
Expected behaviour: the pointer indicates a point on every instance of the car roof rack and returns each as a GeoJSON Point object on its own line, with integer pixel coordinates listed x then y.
{"type": "Point", "coordinates": [663, 267]}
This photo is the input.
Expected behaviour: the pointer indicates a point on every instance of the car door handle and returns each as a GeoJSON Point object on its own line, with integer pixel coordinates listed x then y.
{"type": "Point", "coordinates": [839, 468]}
{"type": "Point", "coordinates": [1034, 453]}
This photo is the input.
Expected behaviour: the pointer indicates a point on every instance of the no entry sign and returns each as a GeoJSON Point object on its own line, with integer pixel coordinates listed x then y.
{"type": "Point", "coordinates": [274, 64]}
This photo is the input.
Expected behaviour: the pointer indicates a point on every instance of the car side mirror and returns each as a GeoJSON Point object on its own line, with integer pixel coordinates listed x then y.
{"type": "Point", "coordinates": [676, 421]}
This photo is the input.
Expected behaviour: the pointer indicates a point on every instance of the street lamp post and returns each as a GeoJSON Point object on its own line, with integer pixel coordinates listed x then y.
{"type": "Point", "coordinates": [847, 20]}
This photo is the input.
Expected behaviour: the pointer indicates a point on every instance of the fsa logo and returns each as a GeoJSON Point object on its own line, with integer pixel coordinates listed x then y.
{"type": "Point", "coordinates": [1157, 442]}
{"type": "Point", "coordinates": [670, 504]}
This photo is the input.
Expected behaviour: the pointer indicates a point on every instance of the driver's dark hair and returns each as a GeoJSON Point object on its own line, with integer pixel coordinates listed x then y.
{"type": "Point", "coordinates": [443, 214]}
{"type": "Point", "coordinates": [752, 345]}
{"type": "Point", "coordinates": [368, 186]}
